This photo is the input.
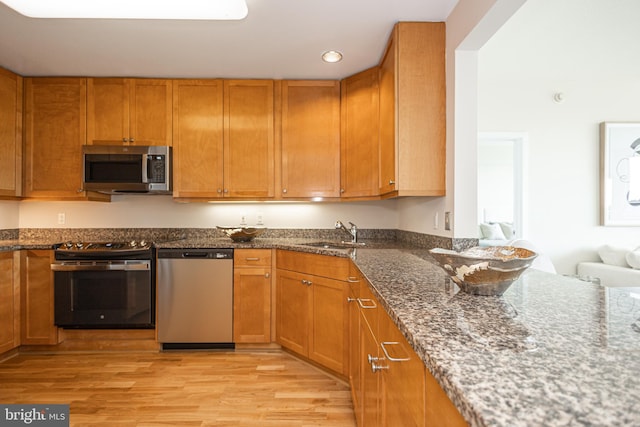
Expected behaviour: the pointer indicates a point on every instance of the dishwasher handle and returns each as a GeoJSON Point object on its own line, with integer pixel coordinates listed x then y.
{"type": "Point", "coordinates": [195, 254]}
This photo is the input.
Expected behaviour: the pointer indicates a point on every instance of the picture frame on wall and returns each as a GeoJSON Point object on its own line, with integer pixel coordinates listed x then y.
{"type": "Point", "coordinates": [620, 174]}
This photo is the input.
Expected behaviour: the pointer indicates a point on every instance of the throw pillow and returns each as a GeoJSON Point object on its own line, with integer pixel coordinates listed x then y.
{"type": "Point", "coordinates": [633, 258]}
{"type": "Point", "coordinates": [492, 232]}
{"type": "Point", "coordinates": [614, 255]}
{"type": "Point", "coordinates": [507, 229]}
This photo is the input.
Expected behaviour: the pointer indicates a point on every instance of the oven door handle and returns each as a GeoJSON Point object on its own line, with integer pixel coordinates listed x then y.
{"type": "Point", "coordinates": [102, 266]}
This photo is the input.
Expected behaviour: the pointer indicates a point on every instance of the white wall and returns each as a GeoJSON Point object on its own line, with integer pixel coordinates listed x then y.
{"type": "Point", "coordinates": [586, 49]}
{"type": "Point", "coordinates": [9, 215]}
{"type": "Point", "coordinates": [163, 212]}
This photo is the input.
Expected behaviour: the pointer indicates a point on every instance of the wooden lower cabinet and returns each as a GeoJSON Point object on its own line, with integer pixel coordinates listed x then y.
{"type": "Point", "coordinates": [9, 301]}
{"type": "Point", "coordinates": [36, 292]}
{"type": "Point", "coordinates": [252, 296]}
{"type": "Point", "coordinates": [390, 384]}
{"type": "Point", "coordinates": [312, 317]}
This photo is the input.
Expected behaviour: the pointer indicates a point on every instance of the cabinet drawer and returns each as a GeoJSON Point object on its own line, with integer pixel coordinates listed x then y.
{"type": "Point", "coordinates": [252, 257]}
{"type": "Point", "coordinates": [317, 265]}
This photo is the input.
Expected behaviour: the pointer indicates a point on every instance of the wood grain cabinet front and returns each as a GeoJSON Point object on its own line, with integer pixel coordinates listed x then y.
{"type": "Point", "coordinates": [129, 111]}
{"type": "Point", "coordinates": [9, 300]}
{"type": "Point", "coordinates": [54, 133]}
{"type": "Point", "coordinates": [310, 139]}
{"type": "Point", "coordinates": [10, 134]}
{"type": "Point", "coordinates": [252, 296]}
{"type": "Point", "coordinates": [412, 111]}
{"type": "Point", "coordinates": [36, 293]}
{"type": "Point", "coordinates": [312, 316]}
{"type": "Point", "coordinates": [223, 139]}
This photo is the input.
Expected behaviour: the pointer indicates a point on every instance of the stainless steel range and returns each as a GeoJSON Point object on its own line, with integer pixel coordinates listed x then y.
{"type": "Point", "coordinates": [104, 285]}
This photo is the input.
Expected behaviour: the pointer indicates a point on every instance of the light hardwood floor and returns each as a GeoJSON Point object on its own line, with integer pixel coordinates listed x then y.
{"type": "Point", "coordinates": [179, 389]}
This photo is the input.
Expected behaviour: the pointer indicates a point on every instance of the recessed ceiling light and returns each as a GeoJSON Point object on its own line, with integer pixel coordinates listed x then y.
{"type": "Point", "coordinates": [131, 9]}
{"type": "Point", "coordinates": [332, 56]}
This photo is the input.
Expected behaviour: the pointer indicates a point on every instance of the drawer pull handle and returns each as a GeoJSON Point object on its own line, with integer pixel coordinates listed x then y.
{"type": "Point", "coordinates": [267, 275]}
{"type": "Point", "coordinates": [386, 353]}
{"type": "Point", "coordinates": [352, 279]}
{"type": "Point", "coordinates": [349, 299]}
{"type": "Point", "coordinates": [361, 303]}
{"type": "Point", "coordinates": [252, 259]}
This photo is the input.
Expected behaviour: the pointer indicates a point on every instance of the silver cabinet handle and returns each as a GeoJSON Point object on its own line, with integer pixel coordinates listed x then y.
{"type": "Point", "coordinates": [284, 190]}
{"type": "Point", "coordinates": [352, 279]}
{"type": "Point", "coordinates": [219, 190]}
{"type": "Point", "coordinates": [392, 182]}
{"type": "Point", "coordinates": [342, 190]}
{"type": "Point", "coordinates": [267, 275]}
{"type": "Point", "coordinates": [226, 190]}
{"type": "Point", "coordinates": [306, 282]}
{"type": "Point", "coordinates": [361, 303]}
{"type": "Point", "coordinates": [375, 367]}
{"type": "Point", "coordinates": [349, 299]}
{"type": "Point", "coordinates": [252, 259]}
{"type": "Point", "coordinates": [124, 140]}
{"type": "Point", "coordinates": [131, 140]}
{"type": "Point", "coordinates": [386, 354]}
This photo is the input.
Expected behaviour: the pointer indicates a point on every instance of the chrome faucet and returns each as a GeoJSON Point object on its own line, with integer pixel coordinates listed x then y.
{"type": "Point", "coordinates": [353, 231]}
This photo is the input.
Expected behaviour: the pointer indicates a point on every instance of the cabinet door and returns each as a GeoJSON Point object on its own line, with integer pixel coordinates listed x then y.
{"type": "Point", "coordinates": [310, 139]}
{"type": "Point", "coordinates": [359, 144]}
{"type": "Point", "coordinates": [107, 111]}
{"type": "Point", "coordinates": [404, 386]}
{"type": "Point", "coordinates": [249, 138]}
{"type": "Point", "coordinates": [150, 112]}
{"type": "Point", "coordinates": [387, 149]}
{"type": "Point", "coordinates": [9, 301]}
{"type": "Point", "coordinates": [293, 296]}
{"type": "Point", "coordinates": [355, 374]}
{"type": "Point", "coordinates": [37, 298]}
{"type": "Point", "coordinates": [328, 343]}
{"type": "Point", "coordinates": [251, 305]}
{"type": "Point", "coordinates": [197, 137]}
{"type": "Point", "coordinates": [371, 383]}
{"type": "Point", "coordinates": [55, 130]}
{"type": "Point", "coordinates": [10, 134]}
{"type": "Point", "coordinates": [440, 411]}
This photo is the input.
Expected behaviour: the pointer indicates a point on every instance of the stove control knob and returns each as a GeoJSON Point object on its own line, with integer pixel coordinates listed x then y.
{"type": "Point", "coordinates": [79, 245]}
{"type": "Point", "coordinates": [143, 243]}
{"type": "Point", "coordinates": [68, 245]}
{"type": "Point", "coordinates": [133, 243]}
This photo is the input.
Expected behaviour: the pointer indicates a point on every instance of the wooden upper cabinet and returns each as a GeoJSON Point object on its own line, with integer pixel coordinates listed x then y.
{"type": "Point", "coordinates": [412, 111]}
{"type": "Point", "coordinates": [55, 131]}
{"type": "Point", "coordinates": [359, 143]}
{"type": "Point", "coordinates": [129, 111]}
{"type": "Point", "coordinates": [249, 159]}
{"type": "Point", "coordinates": [198, 138]}
{"type": "Point", "coordinates": [310, 139]}
{"type": "Point", "coordinates": [223, 139]}
{"type": "Point", "coordinates": [10, 134]}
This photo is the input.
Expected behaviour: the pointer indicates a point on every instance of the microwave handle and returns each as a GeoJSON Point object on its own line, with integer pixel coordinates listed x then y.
{"type": "Point", "coordinates": [145, 168]}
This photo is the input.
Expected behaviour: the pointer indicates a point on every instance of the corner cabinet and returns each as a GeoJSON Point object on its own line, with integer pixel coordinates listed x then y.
{"type": "Point", "coordinates": [412, 111]}
{"type": "Point", "coordinates": [359, 143]}
{"type": "Point", "coordinates": [10, 134]}
{"type": "Point", "coordinates": [223, 139]}
{"type": "Point", "coordinates": [312, 316]}
{"type": "Point", "coordinates": [129, 111]}
{"type": "Point", "coordinates": [9, 300]}
{"type": "Point", "coordinates": [252, 296]}
{"type": "Point", "coordinates": [36, 294]}
{"type": "Point", "coordinates": [310, 139]}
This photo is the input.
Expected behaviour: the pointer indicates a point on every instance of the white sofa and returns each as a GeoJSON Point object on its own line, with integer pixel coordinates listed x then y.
{"type": "Point", "coordinates": [619, 266]}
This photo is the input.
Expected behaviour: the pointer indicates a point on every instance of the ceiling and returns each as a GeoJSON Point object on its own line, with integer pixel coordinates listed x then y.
{"type": "Point", "coordinates": [278, 39]}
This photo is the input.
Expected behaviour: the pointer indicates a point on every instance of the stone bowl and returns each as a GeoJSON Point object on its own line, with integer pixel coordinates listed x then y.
{"type": "Point", "coordinates": [484, 270]}
{"type": "Point", "coordinates": [242, 234]}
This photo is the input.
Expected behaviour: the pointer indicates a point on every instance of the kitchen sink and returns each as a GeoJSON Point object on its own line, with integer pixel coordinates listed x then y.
{"type": "Point", "coordinates": [335, 245]}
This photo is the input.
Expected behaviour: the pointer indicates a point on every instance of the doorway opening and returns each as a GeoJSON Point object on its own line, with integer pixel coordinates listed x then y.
{"type": "Point", "coordinates": [501, 186]}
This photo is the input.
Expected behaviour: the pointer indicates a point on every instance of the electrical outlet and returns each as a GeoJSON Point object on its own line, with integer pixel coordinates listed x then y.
{"type": "Point", "coordinates": [447, 220]}
{"type": "Point", "coordinates": [62, 218]}
{"type": "Point", "coordinates": [435, 221]}
{"type": "Point", "coordinates": [260, 218]}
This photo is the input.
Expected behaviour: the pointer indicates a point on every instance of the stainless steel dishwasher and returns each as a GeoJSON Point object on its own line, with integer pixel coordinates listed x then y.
{"type": "Point", "coordinates": [195, 298]}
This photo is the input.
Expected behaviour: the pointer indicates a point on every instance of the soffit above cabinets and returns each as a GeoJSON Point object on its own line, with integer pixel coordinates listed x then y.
{"type": "Point", "coordinates": [278, 39]}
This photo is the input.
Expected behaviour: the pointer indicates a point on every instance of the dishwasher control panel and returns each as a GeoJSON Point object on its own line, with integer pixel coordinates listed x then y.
{"type": "Point", "coordinates": [184, 253]}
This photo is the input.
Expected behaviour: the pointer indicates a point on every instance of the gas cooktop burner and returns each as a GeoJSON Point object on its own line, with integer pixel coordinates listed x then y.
{"type": "Point", "coordinates": [104, 246]}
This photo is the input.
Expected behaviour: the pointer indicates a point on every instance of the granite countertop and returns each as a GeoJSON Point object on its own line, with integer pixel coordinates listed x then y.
{"type": "Point", "coordinates": [552, 351]}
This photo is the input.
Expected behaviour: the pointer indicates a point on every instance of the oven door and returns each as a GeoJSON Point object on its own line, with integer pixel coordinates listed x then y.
{"type": "Point", "coordinates": [104, 294]}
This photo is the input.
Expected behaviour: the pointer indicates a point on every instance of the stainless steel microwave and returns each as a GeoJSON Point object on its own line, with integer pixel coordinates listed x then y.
{"type": "Point", "coordinates": [122, 169]}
